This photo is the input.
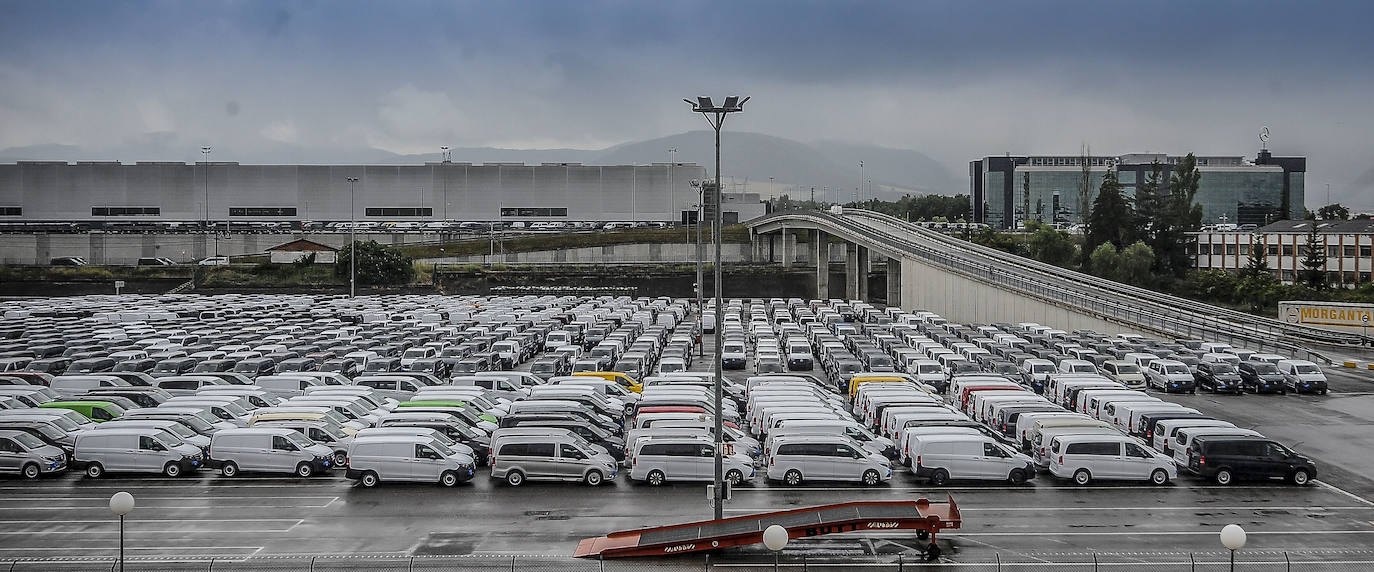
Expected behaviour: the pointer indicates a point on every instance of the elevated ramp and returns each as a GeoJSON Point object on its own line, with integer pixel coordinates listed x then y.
{"type": "Point", "coordinates": [921, 515]}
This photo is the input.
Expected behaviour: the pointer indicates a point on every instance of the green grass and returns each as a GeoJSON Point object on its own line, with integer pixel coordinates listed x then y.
{"type": "Point", "coordinates": [268, 276]}
{"type": "Point", "coordinates": [93, 273]}
{"type": "Point", "coordinates": [729, 234]}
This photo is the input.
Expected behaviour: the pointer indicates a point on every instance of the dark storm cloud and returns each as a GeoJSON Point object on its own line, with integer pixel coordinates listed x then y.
{"type": "Point", "coordinates": [954, 79]}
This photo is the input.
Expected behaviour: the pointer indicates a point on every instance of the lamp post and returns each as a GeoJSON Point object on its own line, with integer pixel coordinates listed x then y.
{"type": "Point", "coordinates": [121, 503]}
{"type": "Point", "coordinates": [443, 150]}
{"type": "Point", "coordinates": [352, 241]}
{"type": "Point", "coordinates": [1233, 538]}
{"type": "Point", "coordinates": [672, 165]}
{"type": "Point", "coordinates": [716, 117]}
{"type": "Point", "coordinates": [214, 242]}
{"type": "Point", "coordinates": [858, 194]}
{"type": "Point", "coordinates": [775, 539]}
{"type": "Point", "coordinates": [700, 186]}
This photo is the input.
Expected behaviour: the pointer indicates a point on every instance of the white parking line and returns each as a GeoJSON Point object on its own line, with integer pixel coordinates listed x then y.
{"type": "Point", "coordinates": [1340, 491]}
{"type": "Point", "coordinates": [937, 490]}
{"type": "Point", "coordinates": [152, 498]}
{"type": "Point", "coordinates": [1149, 533]}
{"type": "Point", "coordinates": [180, 531]}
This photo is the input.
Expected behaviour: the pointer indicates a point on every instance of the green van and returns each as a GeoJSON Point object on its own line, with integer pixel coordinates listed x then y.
{"type": "Point", "coordinates": [98, 411]}
{"type": "Point", "coordinates": [471, 413]}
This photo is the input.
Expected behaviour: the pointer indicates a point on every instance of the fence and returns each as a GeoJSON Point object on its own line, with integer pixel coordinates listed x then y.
{"type": "Point", "coordinates": [1333, 561]}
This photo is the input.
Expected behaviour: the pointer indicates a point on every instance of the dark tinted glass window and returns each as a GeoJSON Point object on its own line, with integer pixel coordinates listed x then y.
{"type": "Point", "coordinates": [515, 449]}
{"type": "Point", "coordinates": [541, 449]}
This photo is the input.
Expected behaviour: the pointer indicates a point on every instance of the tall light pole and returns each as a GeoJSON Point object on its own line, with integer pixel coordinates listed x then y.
{"type": "Point", "coordinates": [443, 172]}
{"type": "Point", "coordinates": [121, 503]}
{"type": "Point", "coordinates": [857, 195]}
{"type": "Point", "coordinates": [672, 165]}
{"type": "Point", "coordinates": [716, 117]}
{"type": "Point", "coordinates": [352, 241]}
{"type": "Point", "coordinates": [214, 243]}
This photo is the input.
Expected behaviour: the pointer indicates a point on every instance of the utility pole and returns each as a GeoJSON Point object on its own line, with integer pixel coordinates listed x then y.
{"type": "Point", "coordinates": [352, 241]}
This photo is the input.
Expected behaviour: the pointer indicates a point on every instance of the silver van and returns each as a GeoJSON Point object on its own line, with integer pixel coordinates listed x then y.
{"type": "Point", "coordinates": [73, 385]}
{"type": "Point", "coordinates": [825, 458]}
{"type": "Point", "coordinates": [134, 449]}
{"type": "Point", "coordinates": [24, 454]}
{"type": "Point", "coordinates": [939, 457]}
{"type": "Point", "coordinates": [656, 460]}
{"type": "Point", "coordinates": [544, 453]}
{"type": "Point", "coordinates": [322, 432]}
{"type": "Point", "coordinates": [181, 430]}
{"type": "Point", "coordinates": [392, 457]}
{"type": "Point", "coordinates": [285, 386]}
{"type": "Point", "coordinates": [268, 449]}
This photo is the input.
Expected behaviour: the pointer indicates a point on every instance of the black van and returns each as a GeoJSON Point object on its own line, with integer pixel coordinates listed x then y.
{"type": "Point", "coordinates": [1225, 458]}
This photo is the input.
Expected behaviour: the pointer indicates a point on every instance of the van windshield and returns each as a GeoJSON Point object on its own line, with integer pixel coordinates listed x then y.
{"type": "Point", "coordinates": [442, 448]}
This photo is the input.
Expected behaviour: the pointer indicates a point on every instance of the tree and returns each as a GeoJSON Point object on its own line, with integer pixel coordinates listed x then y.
{"type": "Point", "coordinates": [1147, 205]}
{"type": "Point", "coordinates": [1258, 262]}
{"type": "Point", "coordinates": [377, 264]}
{"type": "Point", "coordinates": [1334, 211]}
{"type": "Point", "coordinates": [1105, 261]}
{"type": "Point", "coordinates": [1051, 246]}
{"type": "Point", "coordinates": [1085, 185]}
{"type": "Point", "coordinates": [1314, 261]}
{"type": "Point", "coordinates": [1136, 262]}
{"type": "Point", "coordinates": [1110, 218]}
{"type": "Point", "coordinates": [1179, 216]}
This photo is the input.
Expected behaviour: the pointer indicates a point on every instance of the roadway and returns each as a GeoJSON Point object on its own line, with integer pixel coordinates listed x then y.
{"type": "Point", "coordinates": [67, 519]}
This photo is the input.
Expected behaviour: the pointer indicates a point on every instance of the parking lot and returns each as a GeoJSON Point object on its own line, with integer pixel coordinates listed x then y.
{"type": "Point", "coordinates": [1048, 520]}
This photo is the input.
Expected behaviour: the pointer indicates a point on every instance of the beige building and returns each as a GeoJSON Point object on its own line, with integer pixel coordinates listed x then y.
{"type": "Point", "coordinates": [1349, 249]}
{"type": "Point", "coordinates": [296, 250]}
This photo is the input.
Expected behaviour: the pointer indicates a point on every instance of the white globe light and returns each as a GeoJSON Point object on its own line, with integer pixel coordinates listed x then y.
{"type": "Point", "coordinates": [775, 537]}
{"type": "Point", "coordinates": [121, 503]}
{"type": "Point", "coordinates": [1233, 537]}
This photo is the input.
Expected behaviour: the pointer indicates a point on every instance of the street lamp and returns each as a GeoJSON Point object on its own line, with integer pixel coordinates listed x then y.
{"type": "Point", "coordinates": [352, 241]}
{"type": "Point", "coordinates": [443, 151]}
{"type": "Point", "coordinates": [1233, 538]}
{"type": "Point", "coordinates": [775, 539]}
{"type": "Point", "coordinates": [715, 115]}
{"type": "Point", "coordinates": [121, 503]}
{"type": "Point", "coordinates": [205, 152]}
{"type": "Point", "coordinates": [672, 164]}
{"type": "Point", "coordinates": [859, 192]}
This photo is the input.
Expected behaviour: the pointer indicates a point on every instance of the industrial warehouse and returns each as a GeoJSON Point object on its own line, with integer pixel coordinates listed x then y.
{"type": "Point", "coordinates": [96, 193]}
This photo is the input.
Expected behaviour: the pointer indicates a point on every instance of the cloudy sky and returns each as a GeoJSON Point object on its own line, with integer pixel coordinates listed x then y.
{"type": "Point", "coordinates": [955, 80]}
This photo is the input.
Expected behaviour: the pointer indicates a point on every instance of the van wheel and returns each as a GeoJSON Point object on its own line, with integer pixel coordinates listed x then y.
{"type": "Point", "coordinates": [304, 470]}
{"type": "Point", "coordinates": [340, 458]}
{"type": "Point", "coordinates": [369, 479]}
{"type": "Point", "coordinates": [31, 471]}
{"type": "Point", "coordinates": [229, 469]}
{"type": "Point", "coordinates": [792, 478]}
{"type": "Point", "coordinates": [871, 478]}
{"type": "Point", "coordinates": [1159, 477]}
{"type": "Point", "coordinates": [939, 478]}
{"type": "Point", "coordinates": [655, 477]}
{"type": "Point", "coordinates": [172, 470]}
{"type": "Point", "coordinates": [735, 477]}
{"type": "Point", "coordinates": [448, 479]}
{"type": "Point", "coordinates": [1300, 477]}
{"type": "Point", "coordinates": [1017, 477]}
{"type": "Point", "coordinates": [515, 478]}
{"type": "Point", "coordinates": [593, 478]}
{"type": "Point", "coordinates": [94, 471]}
{"type": "Point", "coordinates": [1082, 477]}
{"type": "Point", "coordinates": [1224, 476]}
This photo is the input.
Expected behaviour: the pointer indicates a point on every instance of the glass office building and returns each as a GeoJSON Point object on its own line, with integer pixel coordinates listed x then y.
{"type": "Point", "coordinates": [1006, 191]}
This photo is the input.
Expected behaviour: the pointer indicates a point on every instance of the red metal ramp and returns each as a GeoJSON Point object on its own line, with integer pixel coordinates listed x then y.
{"type": "Point", "coordinates": [920, 515]}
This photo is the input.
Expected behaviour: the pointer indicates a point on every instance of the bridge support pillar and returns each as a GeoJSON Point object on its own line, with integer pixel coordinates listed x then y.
{"type": "Point", "coordinates": [894, 282]}
{"type": "Point", "coordinates": [820, 252]}
{"type": "Point", "coordinates": [851, 271]}
{"type": "Point", "coordinates": [789, 248]}
{"type": "Point", "coordinates": [864, 267]}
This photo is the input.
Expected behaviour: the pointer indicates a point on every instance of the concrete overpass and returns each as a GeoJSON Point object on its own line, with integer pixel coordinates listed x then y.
{"type": "Point", "coordinates": [969, 283]}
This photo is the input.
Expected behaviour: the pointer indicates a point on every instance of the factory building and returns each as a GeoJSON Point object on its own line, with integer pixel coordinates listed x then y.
{"type": "Point", "coordinates": [229, 192]}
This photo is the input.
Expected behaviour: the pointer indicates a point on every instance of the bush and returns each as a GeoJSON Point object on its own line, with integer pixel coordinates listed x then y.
{"type": "Point", "coordinates": [377, 264]}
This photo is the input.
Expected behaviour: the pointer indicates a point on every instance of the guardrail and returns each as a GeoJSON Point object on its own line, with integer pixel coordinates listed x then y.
{"type": "Point", "coordinates": [1015, 276]}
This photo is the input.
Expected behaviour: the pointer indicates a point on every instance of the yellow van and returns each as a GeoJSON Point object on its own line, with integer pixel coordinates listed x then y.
{"type": "Point", "coordinates": [857, 380]}
{"type": "Point", "coordinates": [624, 380]}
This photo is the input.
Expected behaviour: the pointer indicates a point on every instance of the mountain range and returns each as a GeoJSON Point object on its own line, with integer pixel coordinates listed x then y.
{"type": "Point", "coordinates": [751, 162]}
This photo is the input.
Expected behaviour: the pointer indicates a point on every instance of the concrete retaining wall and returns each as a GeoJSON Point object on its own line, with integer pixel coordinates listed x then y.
{"type": "Point", "coordinates": [120, 248]}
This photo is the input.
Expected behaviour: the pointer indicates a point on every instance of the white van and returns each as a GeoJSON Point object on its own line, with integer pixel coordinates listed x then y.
{"type": "Point", "coordinates": [825, 458]}
{"type": "Point", "coordinates": [134, 449]}
{"type": "Point", "coordinates": [1085, 457]}
{"type": "Point", "coordinates": [390, 457]}
{"type": "Point", "coordinates": [659, 459]}
{"type": "Point", "coordinates": [268, 449]}
{"type": "Point", "coordinates": [939, 457]}
{"type": "Point", "coordinates": [1166, 429]}
{"type": "Point", "coordinates": [286, 386]}
{"type": "Point", "coordinates": [68, 386]}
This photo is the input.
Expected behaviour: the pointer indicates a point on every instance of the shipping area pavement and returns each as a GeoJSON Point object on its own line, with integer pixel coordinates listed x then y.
{"type": "Point", "coordinates": [260, 518]}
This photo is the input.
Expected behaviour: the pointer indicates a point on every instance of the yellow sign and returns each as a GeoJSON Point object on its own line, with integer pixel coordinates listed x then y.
{"type": "Point", "coordinates": [1325, 316]}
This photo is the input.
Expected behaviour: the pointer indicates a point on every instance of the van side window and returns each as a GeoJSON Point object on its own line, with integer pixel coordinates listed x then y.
{"type": "Point", "coordinates": [100, 414]}
{"type": "Point", "coordinates": [321, 436]}
{"type": "Point", "coordinates": [570, 452]}
{"type": "Point", "coordinates": [1109, 449]}
{"type": "Point", "coordinates": [423, 452]}
{"type": "Point", "coordinates": [1276, 451]}
{"type": "Point", "coordinates": [540, 449]}
{"type": "Point", "coordinates": [280, 443]}
{"type": "Point", "coordinates": [514, 449]}
{"type": "Point", "coordinates": [990, 450]}
{"type": "Point", "coordinates": [8, 446]}
{"type": "Point", "coordinates": [149, 444]}
{"type": "Point", "coordinates": [1133, 450]}
{"type": "Point", "coordinates": [842, 451]}
{"type": "Point", "coordinates": [406, 386]}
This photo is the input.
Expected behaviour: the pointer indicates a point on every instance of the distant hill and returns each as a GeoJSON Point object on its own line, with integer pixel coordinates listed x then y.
{"type": "Point", "coordinates": [748, 160]}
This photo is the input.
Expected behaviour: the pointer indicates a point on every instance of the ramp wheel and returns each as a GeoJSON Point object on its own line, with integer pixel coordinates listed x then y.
{"type": "Point", "coordinates": [932, 552]}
